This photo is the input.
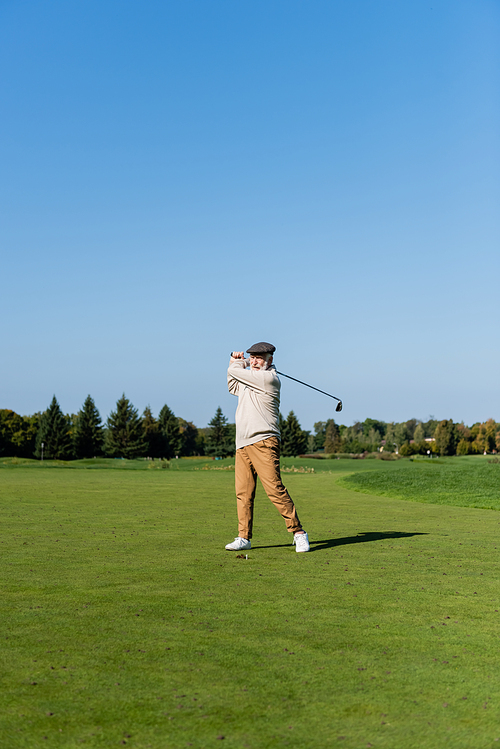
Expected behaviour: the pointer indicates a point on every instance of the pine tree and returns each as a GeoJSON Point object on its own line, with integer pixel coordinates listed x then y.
{"type": "Point", "coordinates": [171, 440]}
{"type": "Point", "coordinates": [125, 434]}
{"type": "Point", "coordinates": [152, 434]}
{"type": "Point", "coordinates": [219, 442]}
{"type": "Point", "coordinates": [53, 431]}
{"type": "Point", "coordinates": [293, 438]}
{"type": "Point", "coordinates": [332, 437]}
{"type": "Point", "coordinates": [89, 434]}
{"type": "Point", "coordinates": [282, 426]}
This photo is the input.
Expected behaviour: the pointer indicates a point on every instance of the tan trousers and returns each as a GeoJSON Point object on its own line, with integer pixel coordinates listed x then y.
{"type": "Point", "coordinates": [261, 459]}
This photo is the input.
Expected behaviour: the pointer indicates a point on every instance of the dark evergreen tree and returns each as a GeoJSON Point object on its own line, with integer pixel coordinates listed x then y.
{"type": "Point", "coordinates": [88, 432]}
{"type": "Point", "coordinates": [219, 442]}
{"type": "Point", "coordinates": [54, 432]}
{"type": "Point", "coordinates": [231, 437]}
{"type": "Point", "coordinates": [332, 437]}
{"type": "Point", "coordinates": [281, 426]}
{"type": "Point", "coordinates": [294, 441]}
{"type": "Point", "coordinates": [170, 433]}
{"type": "Point", "coordinates": [125, 433]}
{"type": "Point", "coordinates": [152, 435]}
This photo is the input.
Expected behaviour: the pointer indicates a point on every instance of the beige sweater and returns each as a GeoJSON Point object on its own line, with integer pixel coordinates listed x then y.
{"type": "Point", "coordinates": [258, 394]}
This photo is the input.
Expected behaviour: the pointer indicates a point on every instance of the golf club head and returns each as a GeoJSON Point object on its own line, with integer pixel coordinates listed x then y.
{"type": "Point", "coordinates": [339, 406]}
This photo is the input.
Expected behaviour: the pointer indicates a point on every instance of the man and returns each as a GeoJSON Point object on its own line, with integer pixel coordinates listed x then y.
{"type": "Point", "coordinates": [257, 386]}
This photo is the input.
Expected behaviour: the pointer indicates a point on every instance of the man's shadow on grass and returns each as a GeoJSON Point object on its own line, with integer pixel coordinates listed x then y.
{"type": "Point", "coordinates": [361, 538]}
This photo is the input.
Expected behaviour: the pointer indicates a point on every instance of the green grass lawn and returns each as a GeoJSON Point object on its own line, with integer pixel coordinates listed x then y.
{"type": "Point", "coordinates": [468, 481]}
{"type": "Point", "coordinates": [124, 621]}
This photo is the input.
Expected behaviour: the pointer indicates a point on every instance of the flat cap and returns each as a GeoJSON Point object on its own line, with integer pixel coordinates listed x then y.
{"type": "Point", "coordinates": [261, 348]}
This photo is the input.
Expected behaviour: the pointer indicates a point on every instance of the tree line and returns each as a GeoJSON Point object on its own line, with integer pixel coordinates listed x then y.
{"type": "Point", "coordinates": [55, 435]}
{"type": "Point", "coordinates": [406, 438]}
{"type": "Point", "coordinates": [412, 437]}
{"type": "Point", "coordinates": [126, 434]}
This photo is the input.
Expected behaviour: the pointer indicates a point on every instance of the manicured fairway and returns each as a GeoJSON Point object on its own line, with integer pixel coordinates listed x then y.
{"type": "Point", "coordinates": [124, 621]}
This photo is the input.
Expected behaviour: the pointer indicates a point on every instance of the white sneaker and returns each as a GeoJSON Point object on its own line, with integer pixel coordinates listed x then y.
{"type": "Point", "coordinates": [239, 544]}
{"type": "Point", "coordinates": [301, 541]}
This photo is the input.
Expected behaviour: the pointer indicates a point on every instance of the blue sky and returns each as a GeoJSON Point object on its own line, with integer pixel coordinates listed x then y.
{"type": "Point", "coordinates": [181, 179]}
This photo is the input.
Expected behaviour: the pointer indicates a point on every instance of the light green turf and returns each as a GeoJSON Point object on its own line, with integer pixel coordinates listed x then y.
{"type": "Point", "coordinates": [469, 481]}
{"type": "Point", "coordinates": [124, 620]}
{"type": "Point", "coordinates": [198, 463]}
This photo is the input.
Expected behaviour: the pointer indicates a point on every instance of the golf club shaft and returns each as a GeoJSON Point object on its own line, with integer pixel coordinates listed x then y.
{"type": "Point", "coordinates": [308, 386]}
{"type": "Point", "coordinates": [339, 407]}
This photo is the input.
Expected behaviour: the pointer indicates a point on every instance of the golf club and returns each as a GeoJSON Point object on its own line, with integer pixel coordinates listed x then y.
{"type": "Point", "coordinates": [339, 404]}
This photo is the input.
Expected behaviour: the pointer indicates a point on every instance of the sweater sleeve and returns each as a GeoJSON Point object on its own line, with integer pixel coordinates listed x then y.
{"type": "Point", "coordinates": [233, 384]}
{"type": "Point", "coordinates": [264, 381]}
